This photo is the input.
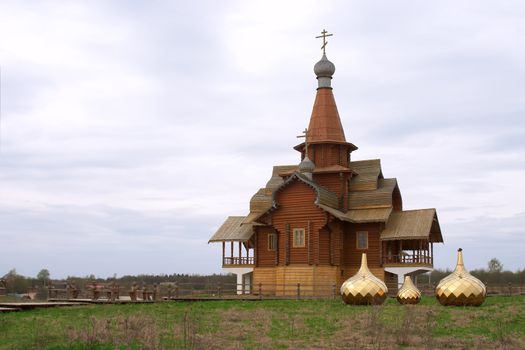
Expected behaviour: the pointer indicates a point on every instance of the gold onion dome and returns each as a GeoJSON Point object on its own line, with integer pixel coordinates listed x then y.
{"type": "Point", "coordinates": [408, 293]}
{"type": "Point", "coordinates": [363, 288]}
{"type": "Point", "coordinates": [460, 287]}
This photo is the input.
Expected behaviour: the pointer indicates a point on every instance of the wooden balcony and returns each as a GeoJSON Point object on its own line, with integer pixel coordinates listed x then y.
{"type": "Point", "coordinates": [418, 258]}
{"type": "Point", "coordinates": [245, 261]}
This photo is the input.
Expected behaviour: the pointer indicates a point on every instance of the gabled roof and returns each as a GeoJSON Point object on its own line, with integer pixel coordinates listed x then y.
{"type": "Point", "coordinates": [360, 216]}
{"type": "Point", "coordinates": [261, 200]}
{"type": "Point", "coordinates": [233, 230]}
{"type": "Point", "coordinates": [324, 196]}
{"type": "Point", "coordinates": [367, 174]}
{"type": "Point", "coordinates": [413, 224]}
{"type": "Point", "coordinates": [276, 180]}
{"type": "Point", "coordinates": [378, 198]}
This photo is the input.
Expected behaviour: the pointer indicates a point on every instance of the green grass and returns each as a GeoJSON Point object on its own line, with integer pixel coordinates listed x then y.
{"type": "Point", "coordinates": [286, 324]}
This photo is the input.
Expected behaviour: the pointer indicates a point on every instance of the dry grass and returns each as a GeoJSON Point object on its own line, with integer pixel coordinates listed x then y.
{"type": "Point", "coordinates": [498, 324]}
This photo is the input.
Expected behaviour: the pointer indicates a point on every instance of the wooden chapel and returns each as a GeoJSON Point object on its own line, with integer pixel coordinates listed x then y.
{"type": "Point", "coordinates": [310, 223]}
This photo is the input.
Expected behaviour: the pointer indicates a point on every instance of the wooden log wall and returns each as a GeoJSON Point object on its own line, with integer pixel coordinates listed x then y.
{"type": "Point", "coordinates": [297, 210]}
{"type": "Point", "coordinates": [265, 257]}
{"type": "Point", "coordinates": [324, 155]}
{"type": "Point", "coordinates": [283, 280]}
{"type": "Point", "coordinates": [352, 256]}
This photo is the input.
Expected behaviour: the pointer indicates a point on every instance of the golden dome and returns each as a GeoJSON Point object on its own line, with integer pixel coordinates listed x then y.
{"type": "Point", "coordinates": [408, 293]}
{"type": "Point", "coordinates": [363, 288]}
{"type": "Point", "coordinates": [460, 287]}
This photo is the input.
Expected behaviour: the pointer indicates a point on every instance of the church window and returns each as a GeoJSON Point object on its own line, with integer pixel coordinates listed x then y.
{"type": "Point", "coordinates": [272, 241]}
{"type": "Point", "coordinates": [362, 240]}
{"type": "Point", "coordinates": [298, 237]}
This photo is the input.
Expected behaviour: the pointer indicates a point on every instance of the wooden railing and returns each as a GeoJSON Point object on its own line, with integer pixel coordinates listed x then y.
{"type": "Point", "coordinates": [227, 260]}
{"type": "Point", "coordinates": [408, 259]}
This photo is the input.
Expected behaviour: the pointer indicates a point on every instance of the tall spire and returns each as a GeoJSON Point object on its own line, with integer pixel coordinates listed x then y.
{"type": "Point", "coordinates": [325, 129]}
{"type": "Point", "coordinates": [325, 124]}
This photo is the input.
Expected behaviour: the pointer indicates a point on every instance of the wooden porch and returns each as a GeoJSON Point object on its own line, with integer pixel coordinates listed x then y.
{"type": "Point", "coordinates": [416, 252]}
{"type": "Point", "coordinates": [239, 255]}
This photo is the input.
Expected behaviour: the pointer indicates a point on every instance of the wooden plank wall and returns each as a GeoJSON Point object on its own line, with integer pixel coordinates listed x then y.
{"type": "Point", "coordinates": [324, 155]}
{"type": "Point", "coordinates": [351, 255]}
{"type": "Point", "coordinates": [332, 182]}
{"type": "Point", "coordinates": [266, 277]}
{"type": "Point", "coordinates": [283, 280]}
{"type": "Point", "coordinates": [265, 257]}
{"type": "Point", "coordinates": [297, 210]}
{"type": "Point", "coordinates": [324, 246]}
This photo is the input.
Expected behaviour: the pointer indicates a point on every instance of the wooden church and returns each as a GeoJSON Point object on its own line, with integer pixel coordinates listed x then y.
{"type": "Point", "coordinates": [311, 222]}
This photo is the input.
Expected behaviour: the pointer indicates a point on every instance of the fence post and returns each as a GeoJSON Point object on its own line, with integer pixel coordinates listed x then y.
{"type": "Point", "coordinates": [333, 291]}
{"type": "Point", "coordinates": [176, 290]}
{"type": "Point", "coordinates": [260, 291]}
{"type": "Point", "coordinates": [510, 289]}
{"type": "Point", "coordinates": [219, 289]}
{"type": "Point", "coordinates": [298, 291]}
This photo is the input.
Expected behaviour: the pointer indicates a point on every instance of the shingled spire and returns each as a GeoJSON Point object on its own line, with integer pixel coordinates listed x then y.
{"type": "Point", "coordinates": [326, 137]}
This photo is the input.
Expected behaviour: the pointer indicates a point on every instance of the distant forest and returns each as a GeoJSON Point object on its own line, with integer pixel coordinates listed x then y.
{"type": "Point", "coordinates": [17, 283]}
{"type": "Point", "coordinates": [494, 275]}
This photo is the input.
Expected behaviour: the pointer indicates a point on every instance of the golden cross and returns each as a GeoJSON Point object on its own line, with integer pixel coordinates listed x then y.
{"type": "Point", "coordinates": [305, 135]}
{"type": "Point", "coordinates": [323, 35]}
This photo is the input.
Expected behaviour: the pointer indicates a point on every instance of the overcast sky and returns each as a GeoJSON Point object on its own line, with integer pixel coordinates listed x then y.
{"type": "Point", "coordinates": [131, 129]}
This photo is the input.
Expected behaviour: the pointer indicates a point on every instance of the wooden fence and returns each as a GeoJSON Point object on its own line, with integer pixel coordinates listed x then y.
{"type": "Point", "coordinates": [190, 291]}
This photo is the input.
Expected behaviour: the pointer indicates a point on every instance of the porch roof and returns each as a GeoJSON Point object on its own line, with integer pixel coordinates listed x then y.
{"type": "Point", "coordinates": [413, 224]}
{"type": "Point", "coordinates": [360, 215]}
{"type": "Point", "coordinates": [233, 230]}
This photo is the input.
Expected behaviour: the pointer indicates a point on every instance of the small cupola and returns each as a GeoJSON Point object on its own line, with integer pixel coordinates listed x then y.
{"type": "Point", "coordinates": [307, 167]}
{"type": "Point", "coordinates": [324, 70]}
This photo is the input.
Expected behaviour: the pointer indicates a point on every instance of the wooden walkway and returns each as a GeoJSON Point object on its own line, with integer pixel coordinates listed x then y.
{"type": "Point", "coordinates": [34, 305]}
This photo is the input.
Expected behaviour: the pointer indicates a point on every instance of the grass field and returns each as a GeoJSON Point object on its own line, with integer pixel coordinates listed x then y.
{"type": "Point", "coordinates": [308, 324]}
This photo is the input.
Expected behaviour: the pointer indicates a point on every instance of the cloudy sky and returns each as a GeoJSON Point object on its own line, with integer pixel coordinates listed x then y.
{"type": "Point", "coordinates": [131, 129]}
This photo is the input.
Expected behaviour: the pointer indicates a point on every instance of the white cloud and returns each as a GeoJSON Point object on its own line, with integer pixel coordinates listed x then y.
{"type": "Point", "coordinates": [129, 133]}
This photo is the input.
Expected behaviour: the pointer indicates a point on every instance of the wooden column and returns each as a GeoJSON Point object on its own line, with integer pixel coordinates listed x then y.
{"type": "Point", "coordinates": [277, 248]}
{"type": "Point", "coordinates": [308, 245]}
{"type": "Point", "coordinates": [240, 251]}
{"type": "Point", "coordinates": [331, 245]}
{"type": "Point", "coordinates": [287, 253]}
{"type": "Point", "coordinates": [231, 250]}
{"type": "Point", "coordinates": [223, 248]}
{"type": "Point", "coordinates": [317, 247]}
{"type": "Point", "coordinates": [256, 248]}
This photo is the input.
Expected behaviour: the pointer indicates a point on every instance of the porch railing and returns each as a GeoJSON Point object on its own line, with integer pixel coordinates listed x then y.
{"type": "Point", "coordinates": [245, 260]}
{"type": "Point", "coordinates": [408, 259]}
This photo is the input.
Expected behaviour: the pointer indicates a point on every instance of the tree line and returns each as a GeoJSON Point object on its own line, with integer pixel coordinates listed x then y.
{"type": "Point", "coordinates": [494, 274]}
{"type": "Point", "coordinates": [19, 284]}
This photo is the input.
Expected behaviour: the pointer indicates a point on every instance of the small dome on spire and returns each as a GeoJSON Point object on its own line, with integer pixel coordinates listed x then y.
{"type": "Point", "coordinates": [306, 167]}
{"type": "Point", "coordinates": [324, 68]}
